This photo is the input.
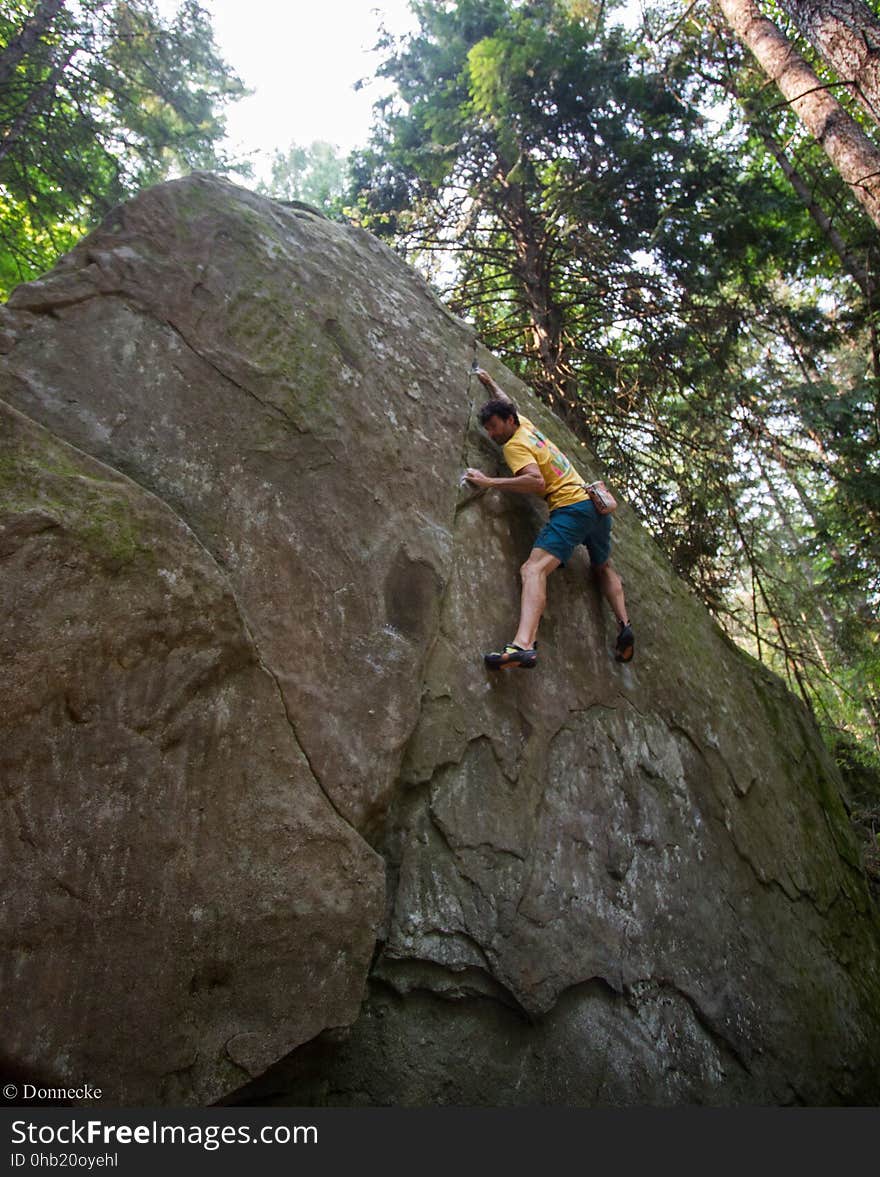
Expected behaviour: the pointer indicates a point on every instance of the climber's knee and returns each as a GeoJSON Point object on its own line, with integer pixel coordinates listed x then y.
{"type": "Point", "coordinates": [539, 565]}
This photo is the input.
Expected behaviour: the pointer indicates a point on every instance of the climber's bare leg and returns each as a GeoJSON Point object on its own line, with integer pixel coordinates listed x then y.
{"type": "Point", "coordinates": [533, 601]}
{"type": "Point", "coordinates": [611, 587]}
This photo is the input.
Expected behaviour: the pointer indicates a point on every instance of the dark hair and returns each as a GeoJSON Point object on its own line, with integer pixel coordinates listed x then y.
{"type": "Point", "coordinates": [497, 408]}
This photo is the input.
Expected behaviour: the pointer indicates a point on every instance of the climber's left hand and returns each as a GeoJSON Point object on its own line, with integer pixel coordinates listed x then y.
{"type": "Point", "coordinates": [477, 477]}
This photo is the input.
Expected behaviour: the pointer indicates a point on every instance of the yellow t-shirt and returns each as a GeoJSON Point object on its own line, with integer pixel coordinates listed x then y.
{"type": "Point", "coordinates": [564, 486]}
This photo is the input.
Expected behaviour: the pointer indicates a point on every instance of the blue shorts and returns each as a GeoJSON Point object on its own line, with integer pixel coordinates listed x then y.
{"type": "Point", "coordinates": [580, 523]}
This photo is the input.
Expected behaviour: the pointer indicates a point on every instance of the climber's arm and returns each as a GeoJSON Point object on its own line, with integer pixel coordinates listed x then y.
{"type": "Point", "coordinates": [528, 481]}
{"type": "Point", "coordinates": [497, 392]}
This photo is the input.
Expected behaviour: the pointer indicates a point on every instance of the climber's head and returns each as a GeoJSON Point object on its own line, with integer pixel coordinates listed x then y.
{"type": "Point", "coordinates": [499, 419]}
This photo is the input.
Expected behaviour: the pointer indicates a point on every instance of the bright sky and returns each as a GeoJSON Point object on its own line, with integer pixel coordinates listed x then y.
{"type": "Point", "coordinates": [301, 58]}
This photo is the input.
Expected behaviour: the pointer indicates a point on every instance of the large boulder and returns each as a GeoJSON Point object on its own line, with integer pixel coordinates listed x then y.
{"type": "Point", "coordinates": [246, 599]}
{"type": "Point", "coordinates": [173, 869]}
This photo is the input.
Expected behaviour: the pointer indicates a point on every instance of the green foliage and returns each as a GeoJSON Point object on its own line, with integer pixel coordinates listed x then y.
{"type": "Point", "coordinates": [98, 99]}
{"type": "Point", "coordinates": [317, 175]}
{"type": "Point", "coordinates": [537, 151]}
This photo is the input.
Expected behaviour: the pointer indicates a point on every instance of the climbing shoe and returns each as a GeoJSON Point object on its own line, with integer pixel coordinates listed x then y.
{"type": "Point", "coordinates": [626, 643]}
{"type": "Point", "coordinates": [512, 656]}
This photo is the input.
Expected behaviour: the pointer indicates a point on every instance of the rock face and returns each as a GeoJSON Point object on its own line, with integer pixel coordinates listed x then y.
{"type": "Point", "coordinates": [250, 745]}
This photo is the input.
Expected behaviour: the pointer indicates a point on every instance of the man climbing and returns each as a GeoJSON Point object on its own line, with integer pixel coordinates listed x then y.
{"type": "Point", "coordinates": [539, 467]}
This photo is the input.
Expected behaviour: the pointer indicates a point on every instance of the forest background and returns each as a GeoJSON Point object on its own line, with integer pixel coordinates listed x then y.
{"type": "Point", "coordinates": [669, 230]}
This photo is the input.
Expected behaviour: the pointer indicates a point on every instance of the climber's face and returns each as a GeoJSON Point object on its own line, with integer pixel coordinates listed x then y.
{"type": "Point", "coordinates": [500, 430]}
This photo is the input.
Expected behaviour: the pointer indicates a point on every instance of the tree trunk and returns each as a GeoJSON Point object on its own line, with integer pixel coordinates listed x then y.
{"type": "Point", "coordinates": [849, 261]}
{"type": "Point", "coordinates": [38, 100]}
{"type": "Point", "coordinates": [533, 274]}
{"type": "Point", "coordinates": [845, 34]}
{"type": "Point", "coordinates": [859, 272]}
{"type": "Point", "coordinates": [850, 150]}
{"type": "Point", "coordinates": [862, 272]}
{"type": "Point", "coordinates": [21, 45]}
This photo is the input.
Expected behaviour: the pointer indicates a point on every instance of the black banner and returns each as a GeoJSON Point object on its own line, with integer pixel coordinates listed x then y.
{"type": "Point", "coordinates": [542, 1141]}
